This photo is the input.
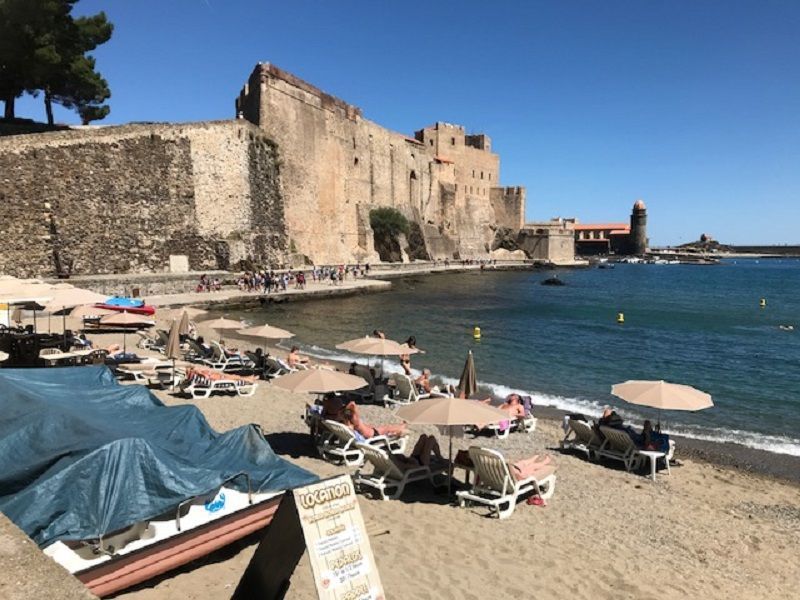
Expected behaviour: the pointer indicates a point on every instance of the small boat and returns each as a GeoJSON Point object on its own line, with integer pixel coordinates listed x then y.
{"type": "Point", "coordinates": [131, 305]}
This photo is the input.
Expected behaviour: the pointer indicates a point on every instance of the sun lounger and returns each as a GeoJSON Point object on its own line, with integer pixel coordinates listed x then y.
{"type": "Point", "coordinates": [228, 363]}
{"type": "Point", "coordinates": [405, 391]}
{"type": "Point", "coordinates": [386, 475]}
{"type": "Point", "coordinates": [581, 436]}
{"type": "Point", "coordinates": [341, 444]}
{"type": "Point", "coordinates": [496, 487]}
{"type": "Point", "coordinates": [148, 342]}
{"type": "Point", "coordinates": [618, 445]}
{"type": "Point", "coordinates": [204, 382]}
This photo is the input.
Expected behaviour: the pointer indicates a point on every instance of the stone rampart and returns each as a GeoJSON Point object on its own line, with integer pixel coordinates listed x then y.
{"type": "Point", "coordinates": [123, 199]}
{"type": "Point", "coordinates": [338, 166]}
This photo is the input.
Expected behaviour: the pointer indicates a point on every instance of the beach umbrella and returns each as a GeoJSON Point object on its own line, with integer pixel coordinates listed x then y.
{"type": "Point", "coordinates": [183, 326]}
{"type": "Point", "coordinates": [467, 385]}
{"type": "Point", "coordinates": [450, 412]}
{"type": "Point", "coordinates": [125, 320]}
{"type": "Point", "coordinates": [267, 332]}
{"type": "Point", "coordinates": [376, 347]}
{"type": "Point", "coordinates": [223, 323]}
{"type": "Point", "coordinates": [173, 348]}
{"type": "Point", "coordinates": [86, 310]}
{"type": "Point", "coordinates": [319, 381]}
{"type": "Point", "coordinates": [662, 395]}
{"type": "Point", "coordinates": [69, 297]}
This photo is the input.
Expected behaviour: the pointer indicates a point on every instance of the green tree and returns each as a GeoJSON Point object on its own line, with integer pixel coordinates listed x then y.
{"type": "Point", "coordinates": [47, 51]}
{"type": "Point", "coordinates": [388, 221]}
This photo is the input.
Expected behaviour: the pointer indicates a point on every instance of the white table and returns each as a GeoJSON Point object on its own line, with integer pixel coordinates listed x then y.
{"type": "Point", "coordinates": [654, 455]}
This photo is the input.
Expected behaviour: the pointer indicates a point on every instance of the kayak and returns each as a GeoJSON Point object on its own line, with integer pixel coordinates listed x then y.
{"type": "Point", "coordinates": [131, 305]}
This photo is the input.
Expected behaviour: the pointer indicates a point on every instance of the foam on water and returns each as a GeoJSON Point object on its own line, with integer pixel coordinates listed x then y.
{"type": "Point", "coordinates": [770, 443]}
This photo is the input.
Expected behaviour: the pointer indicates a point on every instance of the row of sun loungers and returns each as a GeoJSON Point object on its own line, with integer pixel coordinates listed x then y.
{"type": "Point", "coordinates": [612, 444]}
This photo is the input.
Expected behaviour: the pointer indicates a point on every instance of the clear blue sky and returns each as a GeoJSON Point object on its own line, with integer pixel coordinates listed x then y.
{"type": "Point", "coordinates": [692, 105]}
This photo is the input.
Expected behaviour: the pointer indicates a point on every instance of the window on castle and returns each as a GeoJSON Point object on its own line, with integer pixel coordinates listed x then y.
{"type": "Point", "coordinates": [490, 176]}
{"type": "Point", "coordinates": [473, 172]}
{"type": "Point", "coordinates": [431, 142]}
{"type": "Point", "coordinates": [355, 161]}
{"type": "Point", "coordinates": [452, 141]}
{"type": "Point", "coordinates": [481, 174]}
{"type": "Point", "coordinates": [470, 189]}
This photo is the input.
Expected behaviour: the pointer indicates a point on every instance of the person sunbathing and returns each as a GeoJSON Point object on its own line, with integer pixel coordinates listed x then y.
{"type": "Point", "coordinates": [536, 466]}
{"type": "Point", "coordinates": [426, 447]}
{"type": "Point", "coordinates": [513, 406]}
{"type": "Point", "coordinates": [423, 382]}
{"type": "Point", "coordinates": [365, 430]}
{"type": "Point", "coordinates": [294, 359]}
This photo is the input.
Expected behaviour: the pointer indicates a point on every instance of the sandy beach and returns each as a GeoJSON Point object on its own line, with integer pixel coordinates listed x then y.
{"type": "Point", "coordinates": [706, 530]}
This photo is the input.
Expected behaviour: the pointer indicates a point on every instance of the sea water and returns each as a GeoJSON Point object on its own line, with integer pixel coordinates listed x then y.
{"type": "Point", "coordinates": [698, 325]}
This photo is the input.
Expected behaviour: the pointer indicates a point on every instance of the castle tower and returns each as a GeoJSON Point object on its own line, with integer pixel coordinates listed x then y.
{"type": "Point", "coordinates": [638, 239]}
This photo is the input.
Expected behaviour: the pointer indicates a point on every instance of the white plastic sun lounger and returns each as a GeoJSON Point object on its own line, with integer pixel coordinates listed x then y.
{"type": "Point", "coordinates": [342, 446]}
{"type": "Point", "coordinates": [387, 476]}
{"type": "Point", "coordinates": [618, 445]}
{"type": "Point", "coordinates": [581, 436]}
{"type": "Point", "coordinates": [201, 387]}
{"type": "Point", "coordinates": [496, 487]}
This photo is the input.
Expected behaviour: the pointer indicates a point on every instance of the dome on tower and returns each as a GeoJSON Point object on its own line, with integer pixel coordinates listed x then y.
{"type": "Point", "coordinates": [639, 205]}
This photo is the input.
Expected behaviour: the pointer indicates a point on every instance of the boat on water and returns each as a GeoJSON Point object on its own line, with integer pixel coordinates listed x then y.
{"type": "Point", "coordinates": [131, 305]}
{"type": "Point", "coordinates": [117, 487]}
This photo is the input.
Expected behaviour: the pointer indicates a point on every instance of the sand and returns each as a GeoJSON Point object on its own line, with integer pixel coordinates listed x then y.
{"type": "Point", "coordinates": [705, 530]}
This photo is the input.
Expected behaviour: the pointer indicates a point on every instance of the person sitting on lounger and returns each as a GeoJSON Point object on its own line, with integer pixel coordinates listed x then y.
{"type": "Point", "coordinates": [423, 382]}
{"type": "Point", "coordinates": [513, 406]}
{"type": "Point", "coordinates": [420, 456]}
{"type": "Point", "coordinates": [294, 360]}
{"type": "Point", "coordinates": [366, 431]}
{"type": "Point", "coordinates": [651, 439]}
{"type": "Point", "coordinates": [333, 408]}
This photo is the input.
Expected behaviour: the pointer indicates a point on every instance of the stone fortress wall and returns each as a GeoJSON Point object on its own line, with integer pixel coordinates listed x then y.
{"type": "Point", "coordinates": [124, 199]}
{"type": "Point", "coordinates": [292, 181]}
{"type": "Point", "coordinates": [337, 166]}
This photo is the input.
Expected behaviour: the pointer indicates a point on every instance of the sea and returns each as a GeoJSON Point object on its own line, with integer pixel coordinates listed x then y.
{"type": "Point", "coordinates": [698, 325]}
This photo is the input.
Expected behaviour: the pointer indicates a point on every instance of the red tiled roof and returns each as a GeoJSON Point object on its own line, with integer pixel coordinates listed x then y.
{"type": "Point", "coordinates": [599, 226]}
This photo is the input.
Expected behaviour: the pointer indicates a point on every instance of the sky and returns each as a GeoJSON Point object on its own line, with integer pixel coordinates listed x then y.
{"type": "Point", "coordinates": [691, 105]}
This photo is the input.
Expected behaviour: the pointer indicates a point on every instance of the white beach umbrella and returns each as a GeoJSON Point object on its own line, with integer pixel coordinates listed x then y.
{"type": "Point", "coordinates": [319, 381]}
{"type": "Point", "coordinates": [267, 332]}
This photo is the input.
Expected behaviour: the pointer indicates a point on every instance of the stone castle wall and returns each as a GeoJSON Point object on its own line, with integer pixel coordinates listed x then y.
{"type": "Point", "coordinates": [123, 199]}
{"type": "Point", "coordinates": [338, 166]}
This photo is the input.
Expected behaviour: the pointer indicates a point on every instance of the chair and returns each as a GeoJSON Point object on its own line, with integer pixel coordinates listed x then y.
{"type": "Point", "coordinates": [386, 475]}
{"type": "Point", "coordinates": [618, 445]}
{"type": "Point", "coordinates": [276, 367]}
{"type": "Point", "coordinates": [202, 385]}
{"type": "Point", "coordinates": [496, 487]}
{"type": "Point", "coordinates": [196, 353]}
{"type": "Point", "coordinates": [221, 361]}
{"type": "Point", "coordinates": [342, 445]}
{"type": "Point", "coordinates": [581, 436]}
{"type": "Point", "coordinates": [405, 391]}
{"type": "Point", "coordinates": [148, 342]}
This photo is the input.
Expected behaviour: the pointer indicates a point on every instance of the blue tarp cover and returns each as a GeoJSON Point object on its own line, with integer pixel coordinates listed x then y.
{"type": "Point", "coordinates": [82, 456]}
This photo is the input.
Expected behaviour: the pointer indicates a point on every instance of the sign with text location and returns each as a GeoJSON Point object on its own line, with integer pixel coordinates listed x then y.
{"type": "Point", "coordinates": [338, 547]}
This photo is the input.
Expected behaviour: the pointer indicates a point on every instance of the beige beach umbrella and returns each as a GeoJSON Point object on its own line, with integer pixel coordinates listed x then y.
{"type": "Point", "coordinates": [663, 395]}
{"type": "Point", "coordinates": [468, 384]}
{"type": "Point", "coordinates": [86, 310]}
{"type": "Point", "coordinates": [173, 348]}
{"type": "Point", "coordinates": [376, 346]}
{"type": "Point", "coordinates": [450, 412]}
{"type": "Point", "coordinates": [319, 381]}
{"type": "Point", "coordinates": [222, 323]}
{"type": "Point", "coordinates": [64, 298]}
{"type": "Point", "coordinates": [126, 321]}
{"type": "Point", "coordinates": [267, 332]}
{"type": "Point", "coordinates": [183, 325]}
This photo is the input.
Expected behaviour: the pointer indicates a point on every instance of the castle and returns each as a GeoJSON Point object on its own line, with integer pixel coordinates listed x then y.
{"type": "Point", "coordinates": [337, 166]}
{"type": "Point", "coordinates": [291, 181]}
{"type": "Point", "coordinates": [616, 238]}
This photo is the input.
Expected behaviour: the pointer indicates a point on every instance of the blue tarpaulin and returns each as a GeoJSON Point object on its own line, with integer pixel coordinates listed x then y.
{"type": "Point", "coordinates": [82, 456]}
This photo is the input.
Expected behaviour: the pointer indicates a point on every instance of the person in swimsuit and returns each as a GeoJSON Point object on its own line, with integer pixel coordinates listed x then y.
{"type": "Point", "coordinates": [426, 447]}
{"type": "Point", "coordinates": [365, 430]}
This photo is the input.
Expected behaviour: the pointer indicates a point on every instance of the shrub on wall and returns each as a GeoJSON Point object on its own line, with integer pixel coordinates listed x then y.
{"type": "Point", "coordinates": [388, 222]}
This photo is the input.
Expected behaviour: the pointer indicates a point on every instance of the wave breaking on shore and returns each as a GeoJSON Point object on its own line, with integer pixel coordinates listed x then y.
{"type": "Point", "coordinates": [750, 439]}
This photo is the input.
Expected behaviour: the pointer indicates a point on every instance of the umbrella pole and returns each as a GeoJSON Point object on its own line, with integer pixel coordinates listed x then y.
{"type": "Point", "coordinates": [450, 461]}
{"type": "Point", "coordinates": [124, 341]}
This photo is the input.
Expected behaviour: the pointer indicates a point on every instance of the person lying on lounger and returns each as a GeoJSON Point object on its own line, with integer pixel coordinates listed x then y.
{"type": "Point", "coordinates": [420, 456]}
{"type": "Point", "coordinates": [366, 431]}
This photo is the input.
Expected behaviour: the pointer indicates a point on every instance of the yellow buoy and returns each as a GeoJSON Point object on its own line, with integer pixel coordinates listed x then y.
{"type": "Point", "coordinates": [476, 333]}
{"type": "Point", "coordinates": [762, 303]}
{"type": "Point", "coordinates": [620, 317]}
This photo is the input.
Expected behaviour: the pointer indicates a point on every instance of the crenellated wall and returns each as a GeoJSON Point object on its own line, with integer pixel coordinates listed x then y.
{"type": "Point", "coordinates": [123, 199]}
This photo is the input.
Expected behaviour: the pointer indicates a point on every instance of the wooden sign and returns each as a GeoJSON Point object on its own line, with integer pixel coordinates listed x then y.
{"type": "Point", "coordinates": [325, 519]}
{"type": "Point", "coordinates": [341, 557]}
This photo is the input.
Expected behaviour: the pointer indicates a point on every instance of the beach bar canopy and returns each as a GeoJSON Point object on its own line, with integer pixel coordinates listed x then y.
{"type": "Point", "coordinates": [82, 456]}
